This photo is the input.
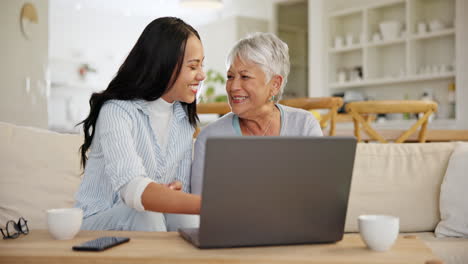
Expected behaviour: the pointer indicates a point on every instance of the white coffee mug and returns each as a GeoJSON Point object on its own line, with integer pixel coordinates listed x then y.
{"type": "Point", "coordinates": [349, 40]}
{"type": "Point", "coordinates": [422, 28]}
{"type": "Point", "coordinates": [379, 232]}
{"type": "Point", "coordinates": [64, 223]}
{"type": "Point", "coordinates": [341, 76]}
{"type": "Point", "coordinates": [338, 42]}
{"type": "Point", "coordinates": [376, 37]}
{"type": "Point", "coordinates": [443, 68]}
{"type": "Point", "coordinates": [436, 25]}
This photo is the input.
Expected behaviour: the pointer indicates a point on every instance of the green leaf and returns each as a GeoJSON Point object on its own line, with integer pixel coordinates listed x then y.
{"type": "Point", "coordinates": [210, 90]}
{"type": "Point", "coordinates": [221, 98]}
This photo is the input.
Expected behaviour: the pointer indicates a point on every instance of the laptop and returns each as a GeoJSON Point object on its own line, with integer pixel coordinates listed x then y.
{"type": "Point", "coordinates": [273, 191]}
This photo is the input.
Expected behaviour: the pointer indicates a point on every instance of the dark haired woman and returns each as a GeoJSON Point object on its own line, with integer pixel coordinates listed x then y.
{"type": "Point", "coordinates": [138, 136]}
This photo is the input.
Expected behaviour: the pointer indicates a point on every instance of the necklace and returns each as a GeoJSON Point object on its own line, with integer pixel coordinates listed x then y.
{"type": "Point", "coordinates": [266, 129]}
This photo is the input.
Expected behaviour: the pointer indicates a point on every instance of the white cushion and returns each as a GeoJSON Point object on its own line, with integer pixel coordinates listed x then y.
{"type": "Point", "coordinates": [454, 197]}
{"type": "Point", "coordinates": [401, 180]}
{"type": "Point", "coordinates": [39, 170]}
{"type": "Point", "coordinates": [449, 249]}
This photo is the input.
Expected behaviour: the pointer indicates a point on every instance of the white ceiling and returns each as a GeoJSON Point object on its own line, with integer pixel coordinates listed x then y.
{"type": "Point", "coordinates": [123, 7]}
{"type": "Point", "coordinates": [158, 8]}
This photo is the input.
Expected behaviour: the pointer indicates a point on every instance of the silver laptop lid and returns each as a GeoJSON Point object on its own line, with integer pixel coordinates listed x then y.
{"type": "Point", "coordinates": [275, 190]}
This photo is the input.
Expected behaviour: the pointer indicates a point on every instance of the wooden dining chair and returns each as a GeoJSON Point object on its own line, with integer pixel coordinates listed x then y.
{"type": "Point", "coordinates": [220, 108]}
{"type": "Point", "coordinates": [358, 109]}
{"type": "Point", "coordinates": [311, 103]}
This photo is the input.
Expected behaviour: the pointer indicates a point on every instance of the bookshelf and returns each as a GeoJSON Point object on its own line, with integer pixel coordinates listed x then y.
{"type": "Point", "coordinates": [414, 55]}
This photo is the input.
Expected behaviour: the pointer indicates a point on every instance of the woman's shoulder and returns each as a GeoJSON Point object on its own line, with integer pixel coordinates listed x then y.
{"type": "Point", "coordinates": [295, 112]}
{"type": "Point", "coordinates": [222, 126]}
{"type": "Point", "coordinates": [120, 105]}
{"type": "Point", "coordinates": [298, 115]}
{"type": "Point", "coordinates": [301, 121]}
{"type": "Point", "coordinates": [121, 109]}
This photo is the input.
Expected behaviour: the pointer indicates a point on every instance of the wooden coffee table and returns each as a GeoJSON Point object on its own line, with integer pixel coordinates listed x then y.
{"type": "Point", "coordinates": [159, 247]}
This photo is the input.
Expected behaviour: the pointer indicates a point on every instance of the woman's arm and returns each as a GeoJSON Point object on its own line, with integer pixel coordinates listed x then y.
{"type": "Point", "coordinates": [160, 198]}
{"type": "Point", "coordinates": [312, 126]}
{"type": "Point", "coordinates": [123, 164]}
{"type": "Point", "coordinates": [114, 128]}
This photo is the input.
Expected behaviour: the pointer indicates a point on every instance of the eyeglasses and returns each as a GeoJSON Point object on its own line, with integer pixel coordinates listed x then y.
{"type": "Point", "coordinates": [13, 229]}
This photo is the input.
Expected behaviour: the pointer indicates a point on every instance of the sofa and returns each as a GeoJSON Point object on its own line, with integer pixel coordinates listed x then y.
{"type": "Point", "coordinates": [41, 170]}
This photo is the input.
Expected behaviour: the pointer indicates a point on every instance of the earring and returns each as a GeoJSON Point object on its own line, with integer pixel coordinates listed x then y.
{"type": "Point", "coordinates": [273, 98]}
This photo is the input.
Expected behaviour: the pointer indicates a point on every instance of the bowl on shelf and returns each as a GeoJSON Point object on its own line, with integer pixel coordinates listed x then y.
{"type": "Point", "coordinates": [436, 25]}
{"type": "Point", "coordinates": [390, 29]}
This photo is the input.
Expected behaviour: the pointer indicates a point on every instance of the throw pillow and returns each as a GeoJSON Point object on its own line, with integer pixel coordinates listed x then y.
{"type": "Point", "coordinates": [39, 170]}
{"type": "Point", "coordinates": [402, 180]}
{"type": "Point", "coordinates": [453, 199]}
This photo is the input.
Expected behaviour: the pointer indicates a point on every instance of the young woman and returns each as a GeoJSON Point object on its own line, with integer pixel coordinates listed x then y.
{"type": "Point", "coordinates": [138, 136]}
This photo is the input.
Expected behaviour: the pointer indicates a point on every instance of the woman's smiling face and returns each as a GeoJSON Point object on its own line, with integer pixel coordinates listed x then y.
{"type": "Point", "coordinates": [191, 74]}
{"type": "Point", "coordinates": [247, 88]}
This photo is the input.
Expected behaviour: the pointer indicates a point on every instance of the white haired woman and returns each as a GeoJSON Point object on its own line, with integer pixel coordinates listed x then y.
{"type": "Point", "coordinates": [258, 68]}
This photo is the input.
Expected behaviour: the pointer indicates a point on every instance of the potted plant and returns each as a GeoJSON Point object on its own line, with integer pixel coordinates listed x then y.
{"type": "Point", "coordinates": [213, 79]}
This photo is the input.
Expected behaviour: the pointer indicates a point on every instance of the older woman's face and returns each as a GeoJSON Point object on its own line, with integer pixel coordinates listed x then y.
{"type": "Point", "coordinates": [247, 88]}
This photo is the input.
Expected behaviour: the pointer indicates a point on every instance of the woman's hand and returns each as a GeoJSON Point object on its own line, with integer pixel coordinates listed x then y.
{"type": "Point", "coordinates": [175, 185]}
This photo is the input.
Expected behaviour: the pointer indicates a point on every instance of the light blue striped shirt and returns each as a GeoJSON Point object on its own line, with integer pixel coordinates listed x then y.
{"type": "Point", "coordinates": [125, 146]}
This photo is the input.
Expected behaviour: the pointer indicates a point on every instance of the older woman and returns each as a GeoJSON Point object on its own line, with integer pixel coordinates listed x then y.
{"type": "Point", "coordinates": [258, 71]}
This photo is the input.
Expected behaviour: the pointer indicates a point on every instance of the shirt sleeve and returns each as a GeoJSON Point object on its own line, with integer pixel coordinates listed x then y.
{"type": "Point", "coordinates": [312, 126]}
{"type": "Point", "coordinates": [131, 192]}
{"type": "Point", "coordinates": [196, 177]}
{"type": "Point", "coordinates": [114, 129]}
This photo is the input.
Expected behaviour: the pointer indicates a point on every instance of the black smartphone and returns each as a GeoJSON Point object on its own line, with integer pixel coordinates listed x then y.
{"type": "Point", "coordinates": [101, 243]}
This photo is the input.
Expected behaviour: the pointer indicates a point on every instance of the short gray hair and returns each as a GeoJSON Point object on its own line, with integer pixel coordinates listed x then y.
{"type": "Point", "coordinates": [265, 50]}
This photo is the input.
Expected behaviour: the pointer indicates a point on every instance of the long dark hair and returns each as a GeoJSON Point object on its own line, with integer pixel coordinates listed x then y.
{"type": "Point", "coordinates": [146, 72]}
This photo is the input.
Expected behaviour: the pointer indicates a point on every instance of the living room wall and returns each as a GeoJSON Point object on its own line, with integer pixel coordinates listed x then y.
{"type": "Point", "coordinates": [23, 91]}
{"type": "Point", "coordinates": [101, 36]}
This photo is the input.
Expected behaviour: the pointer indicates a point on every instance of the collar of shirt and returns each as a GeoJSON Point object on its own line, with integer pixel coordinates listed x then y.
{"type": "Point", "coordinates": [144, 106]}
{"type": "Point", "coordinates": [160, 107]}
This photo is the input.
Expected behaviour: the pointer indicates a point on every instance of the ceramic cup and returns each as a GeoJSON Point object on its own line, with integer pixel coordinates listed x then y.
{"type": "Point", "coordinates": [422, 28]}
{"type": "Point", "coordinates": [338, 42]}
{"type": "Point", "coordinates": [341, 76]}
{"type": "Point", "coordinates": [443, 68]}
{"type": "Point", "coordinates": [64, 223]}
{"type": "Point", "coordinates": [390, 30]}
{"type": "Point", "coordinates": [436, 25]}
{"type": "Point", "coordinates": [349, 40]}
{"type": "Point", "coordinates": [376, 37]}
{"type": "Point", "coordinates": [379, 232]}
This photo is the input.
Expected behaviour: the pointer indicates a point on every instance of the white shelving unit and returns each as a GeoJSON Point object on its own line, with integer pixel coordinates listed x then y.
{"type": "Point", "coordinates": [407, 79]}
{"type": "Point", "coordinates": [440, 33]}
{"type": "Point", "coordinates": [413, 56]}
